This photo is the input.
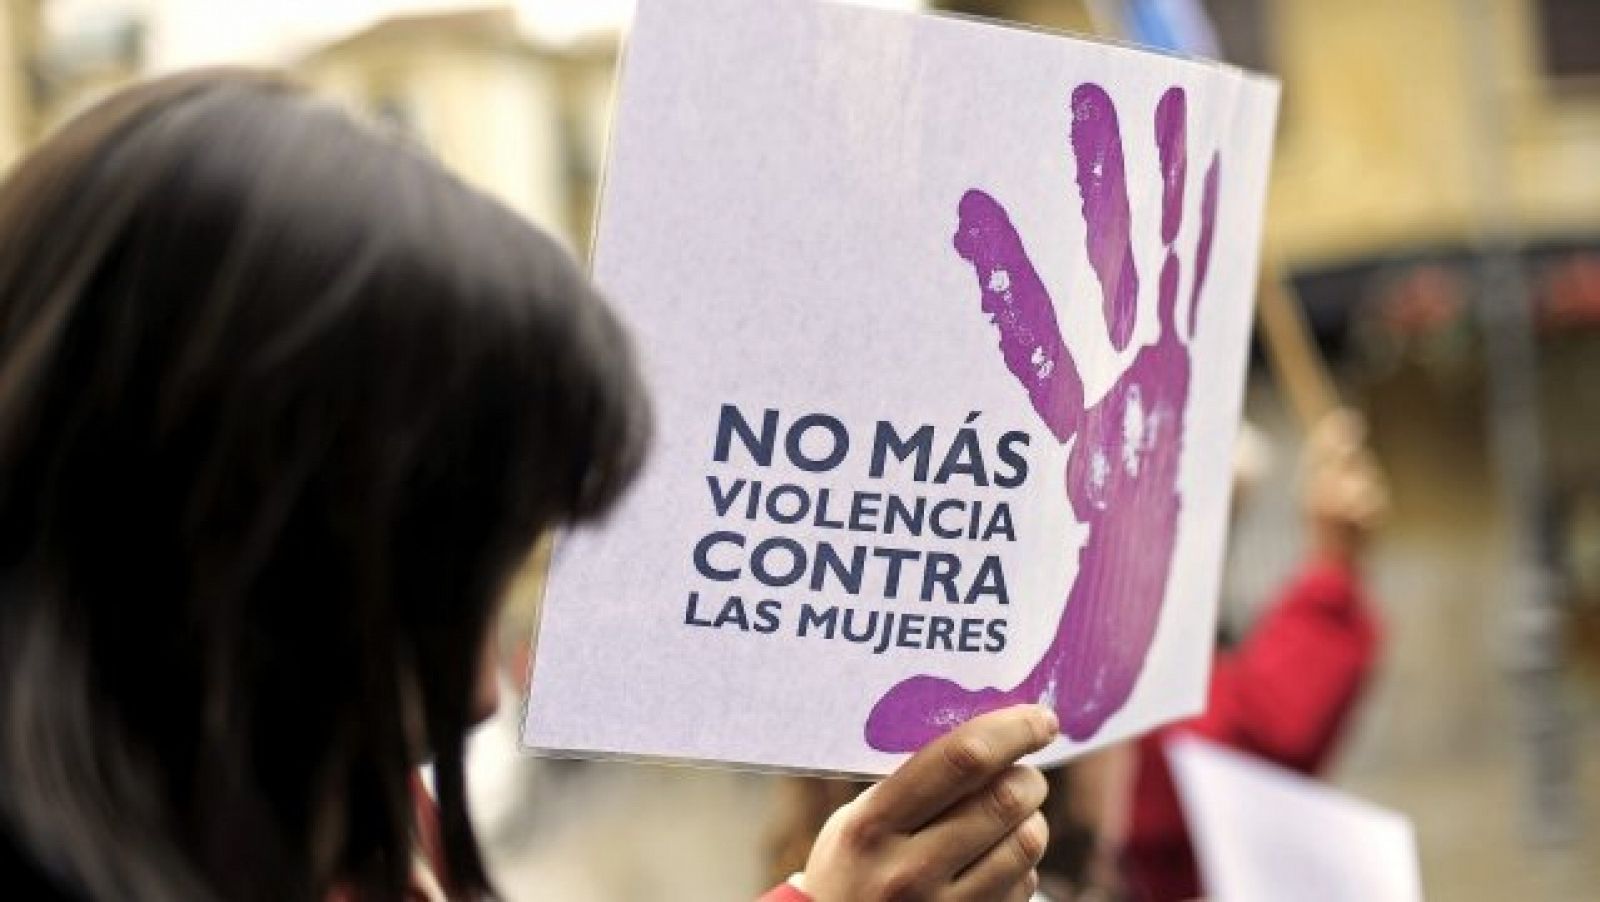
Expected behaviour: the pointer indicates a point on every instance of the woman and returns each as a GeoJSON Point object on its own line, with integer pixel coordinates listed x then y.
{"type": "Point", "coordinates": [282, 405]}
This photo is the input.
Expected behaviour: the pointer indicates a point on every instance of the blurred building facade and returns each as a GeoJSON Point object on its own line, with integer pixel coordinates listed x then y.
{"type": "Point", "coordinates": [47, 75]}
{"type": "Point", "coordinates": [15, 49]}
{"type": "Point", "coordinates": [434, 77]}
{"type": "Point", "coordinates": [1381, 123]}
{"type": "Point", "coordinates": [1377, 135]}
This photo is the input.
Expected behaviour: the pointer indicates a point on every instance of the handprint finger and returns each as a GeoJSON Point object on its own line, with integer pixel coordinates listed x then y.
{"type": "Point", "coordinates": [1016, 300]}
{"type": "Point", "coordinates": [1172, 147]}
{"type": "Point", "coordinates": [1103, 185]}
{"type": "Point", "coordinates": [1202, 250]}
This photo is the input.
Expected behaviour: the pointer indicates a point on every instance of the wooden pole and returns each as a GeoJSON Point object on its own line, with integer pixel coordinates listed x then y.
{"type": "Point", "coordinates": [1298, 365]}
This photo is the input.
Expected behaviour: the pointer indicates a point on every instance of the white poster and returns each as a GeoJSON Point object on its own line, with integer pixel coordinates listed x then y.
{"type": "Point", "coordinates": [1265, 834]}
{"type": "Point", "coordinates": [946, 324]}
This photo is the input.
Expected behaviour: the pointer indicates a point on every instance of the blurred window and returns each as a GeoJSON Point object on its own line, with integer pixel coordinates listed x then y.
{"type": "Point", "coordinates": [1570, 30]}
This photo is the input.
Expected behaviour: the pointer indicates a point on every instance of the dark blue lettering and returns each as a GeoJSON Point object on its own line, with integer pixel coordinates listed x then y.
{"type": "Point", "coordinates": [731, 422]}
{"type": "Point", "coordinates": [942, 570]}
{"type": "Point", "coordinates": [795, 445]}
{"type": "Point", "coordinates": [702, 555]}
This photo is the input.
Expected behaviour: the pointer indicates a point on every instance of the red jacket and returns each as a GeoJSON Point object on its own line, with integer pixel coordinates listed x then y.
{"type": "Point", "coordinates": [1284, 695]}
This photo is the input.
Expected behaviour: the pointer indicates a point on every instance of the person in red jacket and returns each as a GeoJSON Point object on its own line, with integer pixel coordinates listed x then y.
{"type": "Point", "coordinates": [1285, 694]}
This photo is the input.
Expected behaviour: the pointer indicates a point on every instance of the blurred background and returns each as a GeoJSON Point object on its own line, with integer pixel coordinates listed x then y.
{"type": "Point", "coordinates": [1434, 255]}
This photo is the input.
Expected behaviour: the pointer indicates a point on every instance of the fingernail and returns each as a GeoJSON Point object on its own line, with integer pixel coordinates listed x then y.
{"type": "Point", "coordinates": [1048, 719]}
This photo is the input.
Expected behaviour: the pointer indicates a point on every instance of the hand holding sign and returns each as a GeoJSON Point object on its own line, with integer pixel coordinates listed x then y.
{"type": "Point", "coordinates": [959, 821]}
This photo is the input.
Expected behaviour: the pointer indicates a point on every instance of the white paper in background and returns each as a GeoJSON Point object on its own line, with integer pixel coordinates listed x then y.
{"type": "Point", "coordinates": [906, 273]}
{"type": "Point", "coordinates": [1265, 834]}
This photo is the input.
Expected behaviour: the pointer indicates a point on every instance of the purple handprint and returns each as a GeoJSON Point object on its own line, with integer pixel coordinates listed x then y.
{"type": "Point", "coordinates": [1122, 473]}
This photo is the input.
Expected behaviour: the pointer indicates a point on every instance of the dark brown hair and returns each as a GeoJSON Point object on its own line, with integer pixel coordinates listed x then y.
{"type": "Point", "coordinates": [282, 404]}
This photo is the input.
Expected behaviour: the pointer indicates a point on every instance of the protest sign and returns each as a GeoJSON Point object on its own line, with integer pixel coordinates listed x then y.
{"type": "Point", "coordinates": [946, 325]}
{"type": "Point", "coordinates": [1264, 834]}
